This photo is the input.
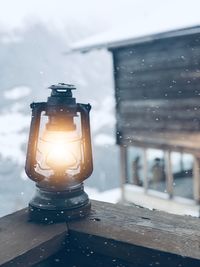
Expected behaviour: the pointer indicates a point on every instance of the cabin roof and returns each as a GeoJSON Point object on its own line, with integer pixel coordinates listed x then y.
{"type": "Point", "coordinates": [126, 36]}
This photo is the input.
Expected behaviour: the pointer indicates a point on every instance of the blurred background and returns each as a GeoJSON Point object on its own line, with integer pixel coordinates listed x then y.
{"type": "Point", "coordinates": [35, 40]}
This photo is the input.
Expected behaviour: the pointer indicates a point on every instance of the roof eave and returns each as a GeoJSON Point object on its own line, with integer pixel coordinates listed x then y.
{"type": "Point", "coordinates": [133, 41]}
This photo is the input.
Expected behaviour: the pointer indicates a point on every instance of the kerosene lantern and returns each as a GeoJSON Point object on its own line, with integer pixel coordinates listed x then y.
{"type": "Point", "coordinates": [59, 156]}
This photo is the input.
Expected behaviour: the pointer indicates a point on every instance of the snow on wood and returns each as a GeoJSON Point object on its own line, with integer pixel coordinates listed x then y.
{"type": "Point", "coordinates": [130, 34]}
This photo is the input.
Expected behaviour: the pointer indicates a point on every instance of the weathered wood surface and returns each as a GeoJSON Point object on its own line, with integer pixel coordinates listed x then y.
{"type": "Point", "coordinates": [157, 124]}
{"type": "Point", "coordinates": [153, 90]}
{"type": "Point", "coordinates": [96, 251]}
{"type": "Point", "coordinates": [165, 70]}
{"type": "Point", "coordinates": [171, 79]}
{"type": "Point", "coordinates": [124, 234]}
{"type": "Point", "coordinates": [80, 254]}
{"type": "Point", "coordinates": [23, 243]}
{"type": "Point", "coordinates": [196, 175]}
{"type": "Point", "coordinates": [162, 115]}
{"type": "Point", "coordinates": [179, 52]}
{"type": "Point", "coordinates": [191, 106]}
{"type": "Point", "coordinates": [180, 142]}
{"type": "Point", "coordinates": [141, 227]}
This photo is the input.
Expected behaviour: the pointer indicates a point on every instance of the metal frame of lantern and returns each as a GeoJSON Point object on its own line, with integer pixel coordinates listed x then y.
{"type": "Point", "coordinates": [59, 198]}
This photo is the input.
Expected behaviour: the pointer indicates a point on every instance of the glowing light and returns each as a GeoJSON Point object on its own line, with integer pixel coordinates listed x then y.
{"type": "Point", "coordinates": [60, 150]}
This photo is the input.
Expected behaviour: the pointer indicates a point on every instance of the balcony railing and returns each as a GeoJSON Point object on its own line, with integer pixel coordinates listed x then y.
{"type": "Point", "coordinates": [113, 235]}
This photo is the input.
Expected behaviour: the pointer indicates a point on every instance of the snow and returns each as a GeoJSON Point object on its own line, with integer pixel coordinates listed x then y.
{"type": "Point", "coordinates": [126, 33]}
{"type": "Point", "coordinates": [102, 119]}
{"type": "Point", "coordinates": [103, 115]}
{"type": "Point", "coordinates": [11, 37]}
{"type": "Point", "coordinates": [111, 196]}
{"type": "Point", "coordinates": [148, 18]}
{"type": "Point", "coordinates": [139, 17]}
{"type": "Point", "coordinates": [104, 139]}
{"type": "Point", "coordinates": [11, 136]}
{"type": "Point", "coordinates": [17, 92]}
{"type": "Point", "coordinates": [13, 122]}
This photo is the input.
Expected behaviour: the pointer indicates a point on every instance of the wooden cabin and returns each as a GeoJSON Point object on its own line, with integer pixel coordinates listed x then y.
{"type": "Point", "coordinates": [157, 92]}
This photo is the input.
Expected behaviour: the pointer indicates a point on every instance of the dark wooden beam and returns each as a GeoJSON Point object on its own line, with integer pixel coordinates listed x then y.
{"type": "Point", "coordinates": [184, 142]}
{"type": "Point", "coordinates": [23, 243]}
{"type": "Point", "coordinates": [111, 233]}
{"type": "Point", "coordinates": [140, 227]}
{"type": "Point", "coordinates": [96, 251]}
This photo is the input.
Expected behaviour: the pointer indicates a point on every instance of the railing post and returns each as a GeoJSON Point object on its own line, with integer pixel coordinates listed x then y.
{"type": "Point", "coordinates": [145, 170]}
{"type": "Point", "coordinates": [196, 177]}
{"type": "Point", "coordinates": [169, 173]}
{"type": "Point", "coordinates": [123, 169]}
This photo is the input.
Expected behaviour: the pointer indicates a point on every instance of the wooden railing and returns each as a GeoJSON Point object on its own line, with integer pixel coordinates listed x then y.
{"type": "Point", "coordinates": [113, 235]}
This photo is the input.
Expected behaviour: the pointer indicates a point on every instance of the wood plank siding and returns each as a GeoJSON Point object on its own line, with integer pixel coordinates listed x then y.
{"type": "Point", "coordinates": [157, 89]}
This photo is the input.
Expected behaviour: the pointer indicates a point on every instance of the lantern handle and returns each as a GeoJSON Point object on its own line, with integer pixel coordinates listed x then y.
{"type": "Point", "coordinates": [87, 167]}
{"type": "Point", "coordinates": [37, 109]}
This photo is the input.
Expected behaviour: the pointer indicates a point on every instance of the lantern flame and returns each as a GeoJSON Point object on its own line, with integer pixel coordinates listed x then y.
{"type": "Point", "coordinates": [60, 151]}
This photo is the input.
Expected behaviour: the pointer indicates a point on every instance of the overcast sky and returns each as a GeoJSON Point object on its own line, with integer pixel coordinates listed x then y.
{"type": "Point", "coordinates": [107, 13]}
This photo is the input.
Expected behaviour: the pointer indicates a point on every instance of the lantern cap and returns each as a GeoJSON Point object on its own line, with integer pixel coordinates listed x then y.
{"type": "Point", "coordinates": [62, 88]}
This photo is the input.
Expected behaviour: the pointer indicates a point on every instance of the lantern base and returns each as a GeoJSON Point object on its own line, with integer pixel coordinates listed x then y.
{"type": "Point", "coordinates": [50, 206]}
